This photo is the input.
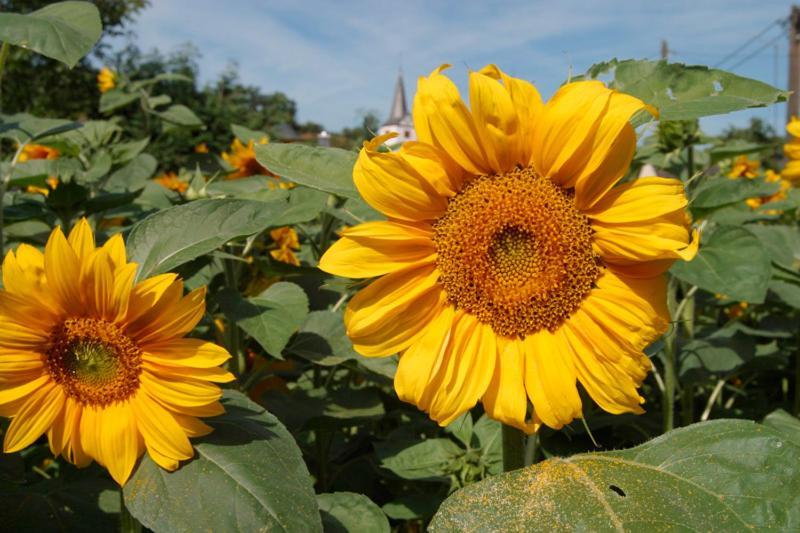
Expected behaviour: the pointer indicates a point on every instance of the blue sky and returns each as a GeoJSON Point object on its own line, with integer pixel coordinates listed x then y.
{"type": "Point", "coordinates": [337, 59]}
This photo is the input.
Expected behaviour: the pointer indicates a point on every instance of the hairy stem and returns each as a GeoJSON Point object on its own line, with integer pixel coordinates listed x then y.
{"type": "Point", "coordinates": [513, 448]}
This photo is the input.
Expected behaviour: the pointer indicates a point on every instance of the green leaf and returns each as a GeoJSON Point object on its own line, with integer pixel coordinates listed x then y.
{"type": "Point", "coordinates": [248, 475]}
{"type": "Point", "coordinates": [180, 115]}
{"type": "Point", "coordinates": [134, 175]}
{"type": "Point", "coordinates": [24, 128]}
{"type": "Point", "coordinates": [724, 475]}
{"type": "Point", "coordinates": [733, 148]}
{"type": "Point", "coordinates": [461, 428]}
{"type": "Point", "coordinates": [785, 424]}
{"type": "Point", "coordinates": [732, 262]}
{"type": "Point", "coordinates": [246, 135]}
{"type": "Point", "coordinates": [413, 506]}
{"type": "Point", "coordinates": [343, 512]}
{"type": "Point", "coordinates": [429, 459]}
{"type": "Point", "coordinates": [722, 352]}
{"type": "Point", "coordinates": [171, 237]}
{"type": "Point", "coordinates": [490, 439]}
{"type": "Point", "coordinates": [271, 318]}
{"type": "Point", "coordinates": [325, 169]}
{"type": "Point", "coordinates": [115, 99]}
{"type": "Point", "coordinates": [322, 339]}
{"type": "Point", "coordinates": [781, 242]}
{"type": "Point", "coordinates": [721, 191]}
{"type": "Point", "coordinates": [125, 152]}
{"type": "Point", "coordinates": [683, 92]}
{"type": "Point", "coordinates": [65, 31]}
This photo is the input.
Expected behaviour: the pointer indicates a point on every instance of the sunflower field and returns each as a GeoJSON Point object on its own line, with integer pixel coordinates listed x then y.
{"type": "Point", "coordinates": [545, 314]}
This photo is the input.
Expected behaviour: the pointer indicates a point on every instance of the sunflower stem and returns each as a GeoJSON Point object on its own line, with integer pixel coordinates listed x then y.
{"type": "Point", "coordinates": [796, 399]}
{"type": "Point", "coordinates": [670, 360]}
{"type": "Point", "coordinates": [513, 448]}
{"type": "Point", "coordinates": [233, 335]}
{"type": "Point", "coordinates": [127, 522]}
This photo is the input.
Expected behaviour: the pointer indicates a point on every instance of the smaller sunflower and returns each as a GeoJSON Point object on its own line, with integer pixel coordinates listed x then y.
{"type": "Point", "coordinates": [780, 194]}
{"type": "Point", "coordinates": [171, 181]}
{"type": "Point", "coordinates": [744, 168]}
{"type": "Point", "coordinates": [201, 148]}
{"type": "Point", "coordinates": [98, 362]}
{"type": "Point", "coordinates": [243, 159]}
{"type": "Point", "coordinates": [32, 152]}
{"type": "Point", "coordinates": [106, 80]}
{"type": "Point", "coordinates": [286, 240]}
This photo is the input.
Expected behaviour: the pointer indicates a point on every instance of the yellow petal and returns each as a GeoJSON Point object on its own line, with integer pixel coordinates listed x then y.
{"type": "Point", "coordinates": [81, 238]}
{"type": "Point", "coordinates": [442, 119]}
{"type": "Point", "coordinates": [163, 436]}
{"type": "Point", "coordinates": [639, 200]}
{"type": "Point", "coordinates": [466, 371]}
{"type": "Point", "coordinates": [18, 389]}
{"type": "Point", "coordinates": [35, 417]}
{"type": "Point", "coordinates": [115, 247]}
{"type": "Point", "coordinates": [496, 122]}
{"type": "Point", "coordinates": [441, 172]}
{"type": "Point", "coordinates": [528, 104]}
{"type": "Point", "coordinates": [192, 353]}
{"type": "Point", "coordinates": [179, 392]}
{"type": "Point", "coordinates": [174, 321]}
{"type": "Point", "coordinates": [391, 185]}
{"type": "Point", "coordinates": [192, 426]}
{"type": "Point", "coordinates": [385, 317]}
{"type": "Point", "coordinates": [645, 248]}
{"type": "Point", "coordinates": [60, 431]}
{"type": "Point", "coordinates": [124, 277]}
{"type": "Point", "coordinates": [161, 290]}
{"type": "Point", "coordinates": [550, 378]}
{"type": "Point", "coordinates": [420, 362]}
{"type": "Point", "coordinates": [612, 149]}
{"type": "Point", "coordinates": [565, 129]}
{"type": "Point", "coordinates": [505, 399]}
{"type": "Point", "coordinates": [98, 282]}
{"type": "Point", "coordinates": [377, 248]}
{"type": "Point", "coordinates": [62, 268]}
{"type": "Point", "coordinates": [118, 445]}
{"type": "Point", "coordinates": [214, 374]}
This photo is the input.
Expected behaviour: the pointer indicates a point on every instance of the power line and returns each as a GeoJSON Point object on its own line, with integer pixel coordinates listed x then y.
{"type": "Point", "coordinates": [758, 50]}
{"type": "Point", "coordinates": [747, 43]}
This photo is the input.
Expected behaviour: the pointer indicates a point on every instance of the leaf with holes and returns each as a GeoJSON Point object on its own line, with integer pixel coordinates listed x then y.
{"type": "Point", "coordinates": [683, 92]}
{"type": "Point", "coordinates": [724, 475]}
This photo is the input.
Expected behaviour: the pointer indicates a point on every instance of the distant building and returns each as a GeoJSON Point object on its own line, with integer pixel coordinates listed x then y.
{"type": "Point", "coordinates": [399, 120]}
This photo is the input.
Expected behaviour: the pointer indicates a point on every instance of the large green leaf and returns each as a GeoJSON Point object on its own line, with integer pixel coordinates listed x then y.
{"type": "Point", "coordinates": [326, 169]}
{"type": "Point", "coordinates": [732, 262]}
{"type": "Point", "coordinates": [782, 242]}
{"type": "Point", "coordinates": [65, 31]}
{"type": "Point", "coordinates": [721, 191]}
{"type": "Point", "coordinates": [271, 318]}
{"type": "Point", "coordinates": [724, 475]}
{"type": "Point", "coordinates": [171, 237]}
{"type": "Point", "coordinates": [180, 115]}
{"type": "Point", "coordinates": [682, 92]}
{"type": "Point", "coordinates": [116, 98]}
{"type": "Point", "coordinates": [344, 512]}
{"type": "Point", "coordinates": [248, 475]}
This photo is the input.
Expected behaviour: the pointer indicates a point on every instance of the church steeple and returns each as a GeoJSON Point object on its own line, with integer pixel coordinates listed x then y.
{"type": "Point", "coordinates": [399, 109]}
{"type": "Point", "coordinates": [399, 122]}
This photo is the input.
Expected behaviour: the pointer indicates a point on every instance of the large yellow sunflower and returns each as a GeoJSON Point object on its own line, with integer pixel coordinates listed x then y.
{"type": "Point", "coordinates": [99, 362]}
{"type": "Point", "coordinates": [512, 265]}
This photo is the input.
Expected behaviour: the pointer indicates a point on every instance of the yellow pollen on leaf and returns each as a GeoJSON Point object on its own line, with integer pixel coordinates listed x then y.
{"type": "Point", "coordinates": [514, 251]}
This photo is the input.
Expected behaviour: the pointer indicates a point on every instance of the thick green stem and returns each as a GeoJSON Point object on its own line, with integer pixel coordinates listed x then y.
{"type": "Point", "coordinates": [532, 450]}
{"type": "Point", "coordinates": [232, 334]}
{"type": "Point", "coordinates": [513, 448]}
{"type": "Point", "coordinates": [796, 402]}
{"type": "Point", "coordinates": [670, 361]}
{"type": "Point", "coordinates": [4, 50]}
{"type": "Point", "coordinates": [127, 523]}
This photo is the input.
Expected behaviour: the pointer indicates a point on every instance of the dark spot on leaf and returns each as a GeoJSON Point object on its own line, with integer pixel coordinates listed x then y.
{"type": "Point", "coordinates": [617, 490]}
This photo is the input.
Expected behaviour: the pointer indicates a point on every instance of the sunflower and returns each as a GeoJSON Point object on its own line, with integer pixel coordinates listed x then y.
{"type": "Point", "coordinates": [97, 361]}
{"type": "Point", "coordinates": [243, 159]}
{"type": "Point", "coordinates": [287, 242]}
{"type": "Point", "coordinates": [780, 194]}
{"type": "Point", "coordinates": [511, 267]}
{"type": "Point", "coordinates": [106, 80]}
{"type": "Point", "coordinates": [744, 168]}
{"type": "Point", "coordinates": [32, 152]}
{"type": "Point", "coordinates": [171, 181]}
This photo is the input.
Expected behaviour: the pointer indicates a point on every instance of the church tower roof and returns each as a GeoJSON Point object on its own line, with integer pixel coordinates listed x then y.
{"type": "Point", "coordinates": [398, 114]}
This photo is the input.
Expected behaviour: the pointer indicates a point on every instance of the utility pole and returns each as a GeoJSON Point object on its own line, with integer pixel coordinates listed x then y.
{"type": "Point", "coordinates": [664, 50]}
{"type": "Point", "coordinates": [794, 64]}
